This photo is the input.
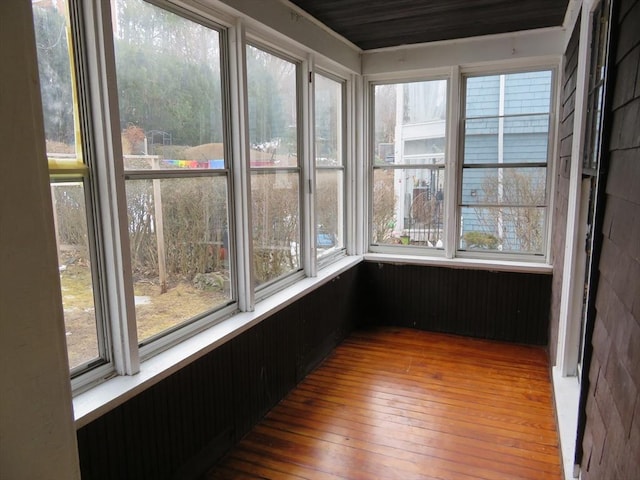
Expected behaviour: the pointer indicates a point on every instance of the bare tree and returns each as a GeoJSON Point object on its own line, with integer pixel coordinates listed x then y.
{"type": "Point", "coordinates": [384, 207]}
{"type": "Point", "coordinates": [516, 222]}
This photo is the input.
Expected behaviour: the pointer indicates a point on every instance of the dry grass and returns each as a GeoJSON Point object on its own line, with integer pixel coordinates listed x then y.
{"type": "Point", "coordinates": [179, 304]}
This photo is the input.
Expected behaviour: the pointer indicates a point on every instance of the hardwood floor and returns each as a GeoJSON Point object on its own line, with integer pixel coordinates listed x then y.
{"type": "Point", "coordinates": [404, 404]}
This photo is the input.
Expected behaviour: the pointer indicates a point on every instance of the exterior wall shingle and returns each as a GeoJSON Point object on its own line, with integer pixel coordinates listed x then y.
{"type": "Point", "coordinates": [612, 434]}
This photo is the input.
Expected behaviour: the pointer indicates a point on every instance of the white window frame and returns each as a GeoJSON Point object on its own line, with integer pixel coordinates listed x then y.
{"type": "Point", "coordinates": [549, 168]}
{"type": "Point", "coordinates": [132, 368]}
{"type": "Point", "coordinates": [450, 255]}
{"type": "Point", "coordinates": [370, 83]}
{"type": "Point", "coordinates": [271, 287]}
{"type": "Point", "coordinates": [336, 253]}
{"type": "Point", "coordinates": [95, 60]}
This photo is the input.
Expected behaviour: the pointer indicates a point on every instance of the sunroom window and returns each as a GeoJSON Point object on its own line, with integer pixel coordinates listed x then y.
{"type": "Point", "coordinates": [329, 163]}
{"type": "Point", "coordinates": [503, 194]}
{"type": "Point", "coordinates": [272, 90]}
{"type": "Point", "coordinates": [409, 162]}
{"type": "Point", "coordinates": [176, 166]}
{"type": "Point", "coordinates": [71, 188]}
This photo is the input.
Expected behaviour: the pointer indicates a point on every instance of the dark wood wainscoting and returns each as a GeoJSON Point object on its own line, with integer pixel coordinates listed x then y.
{"type": "Point", "coordinates": [507, 306]}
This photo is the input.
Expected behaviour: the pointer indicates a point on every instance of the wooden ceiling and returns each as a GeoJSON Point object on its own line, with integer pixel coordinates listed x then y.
{"type": "Point", "coordinates": [373, 24]}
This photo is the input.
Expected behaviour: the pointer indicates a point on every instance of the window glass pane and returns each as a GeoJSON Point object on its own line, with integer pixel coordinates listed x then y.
{"type": "Point", "coordinates": [68, 193]}
{"type": "Point", "coordinates": [410, 129]}
{"type": "Point", "coordinates": [170, 97]}
{"type": "Point", "coordinates": [507, 123]}
{"type": "Point", "coordinates": [272, 102]}
{"type": "Point", "coordinates": [329, 176]}
{"type": "Point", "coordinates": [328, 121]}
{"type": "Point", "coordinates": [525, 139]}
{"type": "Point", "coordinates": [74, 260]}
{"type": "Point", "coordinates": [528, 92]}
{"type": "Point", "coordinates": [522, 93]}
{"type": "Point", "coordinates": [410, 123]}
{"type": "Point", "coordinates": [180, 245]}
{"type": "Point", "coordinates": [504, 186]}
{"type": "Point", "coordinates": [408, 207]}
{"type": "Point", "coordinates": [481, 141]}
{"type": "Point", "coordinates": [54, 68]}
{"type": "Point", "coordinates": [275, 200]}
{"type": "Point", "coordinates": [169, 91]}
{"type": "Point", "coordinates": [422, 151]}
{"type": "Point", "coordinates": [385, 98]}
{"type": "Point", "coordinates": [503, 229]}
{"type": "Point", "coordinates": [329, 211]}
{"type": "Point", "coordinates": [483, 96]}
{"type": "Point", "coordinates": [424, 102]}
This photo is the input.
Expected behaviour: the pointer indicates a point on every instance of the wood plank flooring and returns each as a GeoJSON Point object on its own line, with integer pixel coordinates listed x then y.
{"type": "Point", "coordinates": [403, 404]}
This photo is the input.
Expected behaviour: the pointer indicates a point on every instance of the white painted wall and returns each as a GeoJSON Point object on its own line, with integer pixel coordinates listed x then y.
{"type": "Point", "coordinates": [534, 46]}
{"type": "Point", "coordinates": [37, 434]}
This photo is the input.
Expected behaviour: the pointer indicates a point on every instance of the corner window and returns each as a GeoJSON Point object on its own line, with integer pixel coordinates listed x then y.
{"type": "Point", "coordinates": [503, 186]}
{"type": "Point", "coordinates": [71, 188]}
{"type": "Point", "coordinates": [272, 89]}
{"type": "Point", "coordinates": [409, 162]}
{"type": "Point", "coordinates": [329, 163]}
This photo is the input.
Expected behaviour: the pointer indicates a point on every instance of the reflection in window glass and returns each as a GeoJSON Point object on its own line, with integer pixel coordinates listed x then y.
{"type": "Point", "coordinates": [275, 176]}
{"type": "Point", "coordinates": [506, 139]}
{"type": "Point", "coordinates": [409, 164]}
{"type": "Point", "coordinates": [69, 182]}
{"type": "Point", "coordinates": [273, 110]}
{"type": "Point", "coordinates": [169, 91]}
{"type": "Point", "coordinates": [329, 166]}
{"type": "Point", "coordinates": [275, 203]}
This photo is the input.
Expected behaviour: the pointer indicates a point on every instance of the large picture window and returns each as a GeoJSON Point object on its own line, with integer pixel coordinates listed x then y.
{"type": "Point", "coordinates": [503, 194]}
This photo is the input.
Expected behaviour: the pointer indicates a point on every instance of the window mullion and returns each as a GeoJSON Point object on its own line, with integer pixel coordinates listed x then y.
{"type": "Point", "coordinates": [453, 171]}
{"type": "Point", "coordinates": [241, 175]}
{"type": "Point", "coordinates": [308, 189]}
{"type": "Point", "coordinates": [357, 167]}
{"type": "Point", "coordinates": [116, 285]}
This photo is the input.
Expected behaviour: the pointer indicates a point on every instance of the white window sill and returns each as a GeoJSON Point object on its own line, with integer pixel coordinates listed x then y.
{"type": "Point", "coordinates": [471, 263]}
{"type": "Point", "coordinates": [566, 392]}
{"type": "Point", "coordinates": [106, 396]}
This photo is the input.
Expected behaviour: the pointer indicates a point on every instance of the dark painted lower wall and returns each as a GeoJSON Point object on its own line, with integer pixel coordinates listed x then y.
{"type": "Point", "coordinates": [506, 306]}
{"type": "Point", "coordinates": [183, 425]}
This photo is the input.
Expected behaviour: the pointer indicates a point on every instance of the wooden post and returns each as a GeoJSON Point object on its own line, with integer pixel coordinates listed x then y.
{"type": "Point", "coordinates": [157, 205]}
